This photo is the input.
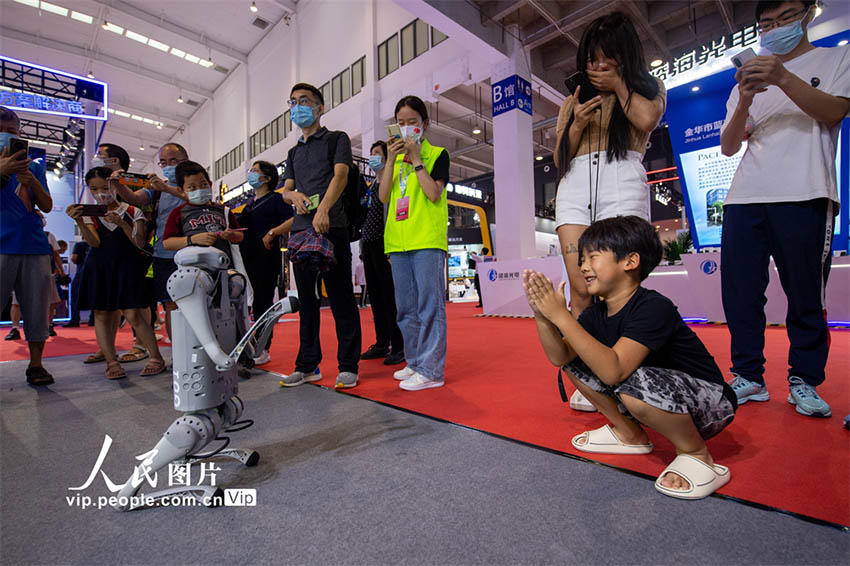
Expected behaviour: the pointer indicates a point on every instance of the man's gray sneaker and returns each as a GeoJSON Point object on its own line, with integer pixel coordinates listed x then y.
{"type": "Point", "coordinates": [746, 390]}
{"type": "Point", "coordinates": [346, 380]}
{"type": "Point", "coordinates": [297, 378]}
{"type": "Point", "coordinates": [806, 398]}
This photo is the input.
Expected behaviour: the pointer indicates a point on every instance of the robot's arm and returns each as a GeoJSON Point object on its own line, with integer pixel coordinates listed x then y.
{"type": "Point", "coordinates": [191, 288]}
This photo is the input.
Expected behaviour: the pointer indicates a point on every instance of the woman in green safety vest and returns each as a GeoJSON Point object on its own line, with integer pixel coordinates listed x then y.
{"type": "Point", "coordinates": [414, 187]}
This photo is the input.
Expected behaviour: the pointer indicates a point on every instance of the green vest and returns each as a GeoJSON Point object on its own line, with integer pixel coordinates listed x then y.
{"type": "Point", "coordinates": [427, 222]}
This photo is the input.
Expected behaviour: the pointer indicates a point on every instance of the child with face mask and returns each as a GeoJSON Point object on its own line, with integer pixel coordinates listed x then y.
{"type": "Point", "coordinates": [113, 275]}
{"type": "Point", "coordinates": [199, 222]}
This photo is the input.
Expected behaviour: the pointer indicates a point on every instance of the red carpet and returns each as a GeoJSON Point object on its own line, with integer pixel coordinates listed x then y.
{"type": "Point", "coordinates": [68, 342]}
{"type": "Point", "coordinates": [497, 380]}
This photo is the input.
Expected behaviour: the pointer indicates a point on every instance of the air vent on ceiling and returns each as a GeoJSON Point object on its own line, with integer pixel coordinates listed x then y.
{"type": "Point", "coordinates": [221, 69]}
{"type": "Point", "coordinates": [260, 23]}
{"type": "Point", "coordinates": [191, 102]}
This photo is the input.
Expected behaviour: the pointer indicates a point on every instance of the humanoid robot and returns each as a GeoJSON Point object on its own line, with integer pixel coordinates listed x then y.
{"type": "Point", "coordinates": [211, 317]}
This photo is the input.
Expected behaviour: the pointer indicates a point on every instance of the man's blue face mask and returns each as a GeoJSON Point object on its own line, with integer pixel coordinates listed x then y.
{"type": "Point", "coordinates": [302, 116]}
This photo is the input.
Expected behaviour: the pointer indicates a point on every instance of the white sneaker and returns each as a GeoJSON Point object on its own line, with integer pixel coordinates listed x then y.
{"type": "Point", "coordinates": [263, 358]}
{"type": "Point", "coordinates": [403, 374]}
{"type": "Point", "coordinates": [579, 402]}
{"type": "Point", "coordinates": [417, 382]}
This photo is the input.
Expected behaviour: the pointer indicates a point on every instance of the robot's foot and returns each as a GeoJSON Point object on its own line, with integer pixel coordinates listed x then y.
{"type": "Point", "coordinates": [247, 457]}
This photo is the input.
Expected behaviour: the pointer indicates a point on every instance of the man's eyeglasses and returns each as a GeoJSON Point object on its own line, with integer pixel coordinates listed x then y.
{"type": "Point", "coordinates": [303, 101]}
{"type": "Point", "coordinates": [171, 162]}
{"type": "Point", "coordinates": [765, 26]}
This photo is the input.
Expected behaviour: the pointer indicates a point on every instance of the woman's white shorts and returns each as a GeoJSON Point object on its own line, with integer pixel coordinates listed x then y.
{"type": "Point", "coordinates": [621, 191]}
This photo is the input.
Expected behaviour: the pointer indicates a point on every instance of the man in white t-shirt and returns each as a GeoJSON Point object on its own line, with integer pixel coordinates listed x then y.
{"type": "Point", "coordinates": [788, 106]}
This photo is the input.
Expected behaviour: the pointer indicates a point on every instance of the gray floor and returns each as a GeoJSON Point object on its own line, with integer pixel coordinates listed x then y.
{"type": "Point", "coordinates": [345, 480]}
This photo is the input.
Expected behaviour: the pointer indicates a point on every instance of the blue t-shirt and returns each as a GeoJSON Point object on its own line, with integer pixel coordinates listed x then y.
{"type": "Point", "coordinates": [21, 230]}
{"type": "Point", "coordinates": [167, 203]}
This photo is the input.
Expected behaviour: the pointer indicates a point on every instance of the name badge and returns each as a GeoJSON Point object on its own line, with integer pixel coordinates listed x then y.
{"type": "Point", "coordinates": [402, 209]}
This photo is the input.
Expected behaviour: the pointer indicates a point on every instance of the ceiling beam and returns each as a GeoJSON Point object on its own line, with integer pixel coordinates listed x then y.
{"type": "Point", "coordinates": [135, 108]}
{"type": "Point", "coordinates": [728, 14]}
{"type": "Point", "coordinates": [286, 5]}
{"type": "Point", "coordinates": [573, 20]}
{"type": "Point", "coordinates": [177, 29]}
{"type": "Point", "coordinates": [552, 17]}
{"type": "Point", "coordinates": [67, 48]}
{"type": "Point", "coordinates": [639, 14]}
{"type": "Point", "coordinates": [496, 10]}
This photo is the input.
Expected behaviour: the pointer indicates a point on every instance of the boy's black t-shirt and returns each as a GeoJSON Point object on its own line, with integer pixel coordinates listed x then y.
{"type": "Point", "coordinates": [652, 319]}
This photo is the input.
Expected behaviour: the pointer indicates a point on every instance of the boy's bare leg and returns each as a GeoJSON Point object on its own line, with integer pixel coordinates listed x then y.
{"type": "Point", "coordinates": [678, 429]}
{"type": "Point", "coordinates": [625, 429]}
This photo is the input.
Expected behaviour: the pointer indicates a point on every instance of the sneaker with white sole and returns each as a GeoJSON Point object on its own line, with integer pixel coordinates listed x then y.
{"type": "Point", "coordinates": [403, 374]}
{"type": "Point", "coordinates": [806, 398]}
{"type": "Point", "coordinates": [263, 358]}
{"type": "Point", "coordinates": [418, 382]}
{"type": "Point", "coordinates": [346, 380]}
{"type": "Point", "coordinates": [297, 378]}
{"type": "Point", "coordinates": [746, 390]}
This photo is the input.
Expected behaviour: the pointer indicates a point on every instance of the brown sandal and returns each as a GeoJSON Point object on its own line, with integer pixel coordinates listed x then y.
{"type": "Point", "coordinates": [115, 371]}
{"type": "Point", "coordinates": [154, 367]}
{"type": "Point", "coordinates": [136, 354]}
{"type": "Point", "coordinates": [95, 358]}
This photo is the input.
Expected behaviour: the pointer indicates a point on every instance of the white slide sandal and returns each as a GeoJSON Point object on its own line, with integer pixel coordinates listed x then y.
{"type": "Point", "coordinates": [604, 441]}
{"type": "Point", "coordinates": [702, 478]}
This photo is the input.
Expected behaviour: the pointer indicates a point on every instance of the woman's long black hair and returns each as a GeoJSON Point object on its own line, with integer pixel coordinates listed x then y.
{"type": "Point", "coordinates": [615, 34]}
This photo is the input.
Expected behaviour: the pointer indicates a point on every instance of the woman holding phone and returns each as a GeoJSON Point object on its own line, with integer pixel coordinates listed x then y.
{"type": "Point", "coordinates": [414, 185]}
{"type": "Point", "coordinates": [601, 142]}
{"type": "Point", "coordinates": [114, 272]}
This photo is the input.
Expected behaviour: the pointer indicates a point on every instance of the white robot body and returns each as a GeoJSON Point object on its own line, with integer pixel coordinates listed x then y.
{"type": "Point", "coordinates": [209, 332]}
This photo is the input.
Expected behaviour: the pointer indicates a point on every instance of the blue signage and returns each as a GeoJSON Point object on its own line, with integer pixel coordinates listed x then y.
{"type": "Point", "coordinates": [512, 92]}
{"type": "Point", "coordinates": [66, 98]}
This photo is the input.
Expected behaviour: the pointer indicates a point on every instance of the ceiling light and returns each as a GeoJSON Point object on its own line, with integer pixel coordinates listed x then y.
{"type": "Point", "coordinates": [81, 17]}
{"type": "Point", "coordinates": [254, 7]}
{"type": "Point", "coordinates": [180, 99]}
{"type": "Point", "coordinates": [842, 43]}
{"type": "Point", "coordinates": [539, 158]}
{"type": "Point", "coordinates": [132, 159]}
{"type": "Point", "coordinates": [159, 125]}
{"type": "Point", "coordinates": [54, 9]}
{"type": "Point", "coordinates": [178, 52]}
{"type": "Point", "coordinates": [206, 63]}
{"type": "Point", "coordinates": [113, 28]}
{"type": "Point", "coordinates": [158, 45]}
{"type": "Point", "coordinates": [136, 37]}
{"type": "Point", "coordinates": [695, 89]}
{"type": "Point", "coordinates": [141, 147]}
{"type": "Point", "coordinates": [147, 121]}
{"type": "Point", "coordinates": [656, 63]}
{"type": "Point", "coordinates": [192, 58]}
{"type": "Point", "coordinates": [90, 75]}
{"type": "Point", "coordinates": [136, 117]}
{"type": "Point", "coordinates": [122, 113]}
{"type": "Point", "coordinates": [476, 130]}
{"type": "Point", "coordinates": [33, 3]}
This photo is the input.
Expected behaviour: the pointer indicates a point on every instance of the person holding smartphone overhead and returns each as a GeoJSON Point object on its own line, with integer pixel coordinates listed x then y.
{"type": "Point", "coordinates": [415, 237]}
{"type": "Point", "coordinates": [788, 105]}
{"type": "Point", "coordinates": [602, 139]}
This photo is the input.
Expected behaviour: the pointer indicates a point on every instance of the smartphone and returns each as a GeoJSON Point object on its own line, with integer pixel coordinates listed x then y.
{"type": "Point", "coordinates": [587, 91]}
{"type": "Point", "coordinates": [134, 180]}
{"type": "Point", "coordinates": [744, 56]}
{"type": "Point", "coordinates": [18, 144]}
{"type": "Point", "coordinates": [393, 131]}
{"type": "Point", "coordinates": [93, 209]}
{"type": "Point", "coordinates": [314, 202]}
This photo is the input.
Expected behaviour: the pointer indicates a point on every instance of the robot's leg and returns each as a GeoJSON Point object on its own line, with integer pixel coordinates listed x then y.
{"type": "Point", "coordinates": [186, 435]}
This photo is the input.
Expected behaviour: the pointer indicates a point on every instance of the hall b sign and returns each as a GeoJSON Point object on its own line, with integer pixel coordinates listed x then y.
{"type": "Point", "coordinates": [512, 92]}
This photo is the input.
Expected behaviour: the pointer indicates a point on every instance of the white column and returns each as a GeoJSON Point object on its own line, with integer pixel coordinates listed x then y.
{"type": "Point", "coordinates": [513, 156]}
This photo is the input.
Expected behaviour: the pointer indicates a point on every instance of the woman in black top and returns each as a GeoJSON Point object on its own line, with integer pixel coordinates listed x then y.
{"type": "Point", "coordinates": [265, 219]}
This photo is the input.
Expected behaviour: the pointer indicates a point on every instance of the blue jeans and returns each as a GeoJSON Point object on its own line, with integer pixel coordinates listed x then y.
{"type": "Point", "coordinates": [419, 278]}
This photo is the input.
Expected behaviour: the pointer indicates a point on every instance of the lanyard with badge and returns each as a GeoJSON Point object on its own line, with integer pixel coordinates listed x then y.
{"type": "Point", "coordinates": [402, 207]}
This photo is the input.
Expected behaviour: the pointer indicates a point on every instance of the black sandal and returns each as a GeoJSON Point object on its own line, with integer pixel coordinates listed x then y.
{"type": "Point", "coordinates": [37, 375]}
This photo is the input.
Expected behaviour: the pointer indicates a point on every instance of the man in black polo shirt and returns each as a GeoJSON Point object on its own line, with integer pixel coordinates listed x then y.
{"type": "Point", "coordinates": [317, 167]}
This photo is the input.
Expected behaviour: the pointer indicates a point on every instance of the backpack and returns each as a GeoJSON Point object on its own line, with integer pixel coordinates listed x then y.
{"type": "Point", "coordinates": [354, 196]}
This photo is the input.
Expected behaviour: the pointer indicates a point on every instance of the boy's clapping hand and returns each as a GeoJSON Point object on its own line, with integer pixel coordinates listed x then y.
{"type": "Point", "coordinates": [549, 302]}
{"type": "Point", "coordinates": [526, 275]}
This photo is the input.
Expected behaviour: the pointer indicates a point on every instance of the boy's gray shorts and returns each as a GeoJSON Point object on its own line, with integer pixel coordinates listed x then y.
{"type": "Point", "coordinates": [29, 276]}
{"type": "Point", "coordinates": [669, 390]}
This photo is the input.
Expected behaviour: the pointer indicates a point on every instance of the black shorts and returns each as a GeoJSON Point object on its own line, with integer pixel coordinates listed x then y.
{"type": "Point", "coordinates": [669, 390]}
{"type": "Point", "coordinates": [162, 270]}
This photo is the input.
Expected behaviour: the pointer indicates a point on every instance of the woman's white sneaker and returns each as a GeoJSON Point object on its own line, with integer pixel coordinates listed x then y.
{"type": "Point", "coordinates": [403, 374]}
{"type": "Point", "coordinates": [418, 382]}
